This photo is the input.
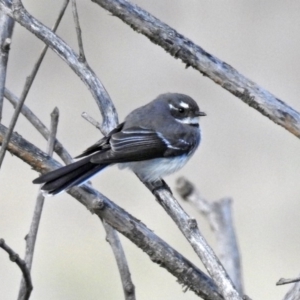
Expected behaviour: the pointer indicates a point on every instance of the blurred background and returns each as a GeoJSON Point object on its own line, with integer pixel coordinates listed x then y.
{"type": "Point", "coordinates": [243, 154]}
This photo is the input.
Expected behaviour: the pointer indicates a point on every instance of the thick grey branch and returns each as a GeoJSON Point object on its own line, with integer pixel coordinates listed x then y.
{"type": "Point", "coordinates": [6, 30]}
{"type": "Point", "coordinates": [190, 230]}
{"type": "Point", "coordinates": [212, 67]}
{"type": "Point", "coordinates": [220, 219]}
{"type": "Point", "coordinates": [82, 69]}
{"type": "Point", "coordinates": [158, 250]}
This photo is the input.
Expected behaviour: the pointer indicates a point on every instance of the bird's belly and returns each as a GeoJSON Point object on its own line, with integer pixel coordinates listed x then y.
{"type": "Point", "coordinates": [154, 169]}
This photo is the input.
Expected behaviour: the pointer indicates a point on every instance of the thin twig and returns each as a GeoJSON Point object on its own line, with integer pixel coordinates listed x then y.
{"type": "Point", "coordinates": [78, 31]}
{"type": "Point", "coordinates": [53, 131]}
{"type": "Point", "coordinates": [91, 120]}
{"type": "Point", "coordinates": [28, 84]}
{"type": "Point", "coordinates": [6, 30]}
{"type": "Point", "coordinates": [14, 257]}
{"type": "Point", "coordinates": [207, 64]}
{"type": "Point", "coordinates": [156, 248]}
{"type": "Point", "coordinates": [83, 70]}
{"type": "Point", "coordinates": [283, 281]}
{"type": "Point", "coordinates": [189, 227]}
{"type": "Point", "coordinates": [32, 235]}
{"type": "Point", "coordinates": [220, 219]}
{"type": "Point", "coordinates": [115, 243]}
{"type": "Point", "coordinates": [40, 127]}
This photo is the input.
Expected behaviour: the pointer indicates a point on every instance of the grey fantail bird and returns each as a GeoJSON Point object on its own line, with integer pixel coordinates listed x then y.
{"type": "Point", "coordinates": [155, 140]}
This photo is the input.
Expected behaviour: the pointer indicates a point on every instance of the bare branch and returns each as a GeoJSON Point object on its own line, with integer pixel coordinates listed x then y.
{"type": "Point", "coordinates": [283, 281]}
{"type": "Point", "coordinates": [6, 30]}
{"type": "Point", "coordinates": [188, 226]}
{"type": "Point", "coordinates": [86, 74]}
{"type": "Point", "coordinates": [78, 31]}
{"type": "Point", "coordinates": [212, 67]}
{"type": "Point", "coordinates": [28, 84]}
{"type": "Point", "coordinates": [31, 237]}
{"type": "Point", "coordinates": [14, 257]}
{"type": "Point", "coordinates": [41, 128]}
{"type": "Point", "coordinates": [115, 243]}
{"type": "Point", "coordinates": [219, 216]}
{"type": "Point", "coordinates": [157, 249]}
{"type": "Point", "coordinates": [53, 131]}
{"type": "Point", "coordinates": [91, 120]}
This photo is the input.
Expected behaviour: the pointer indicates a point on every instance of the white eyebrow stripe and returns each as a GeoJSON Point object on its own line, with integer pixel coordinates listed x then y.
{"type": "Point", "coordinates": [172, 106]}
{"type": "Point", "coordinates": [183, 104]}
{"type": "Point", "coordinates": [189, 120]}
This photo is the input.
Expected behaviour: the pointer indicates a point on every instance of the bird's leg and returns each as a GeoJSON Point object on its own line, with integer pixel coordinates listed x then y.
{"type": "Point", "coordinates": [154, 186]}
{"type": "Point", "coordinates": [157, 185]}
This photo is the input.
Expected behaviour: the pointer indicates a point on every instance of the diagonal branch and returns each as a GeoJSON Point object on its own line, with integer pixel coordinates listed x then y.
{"type": "Point", "coordinates": [189, 227]}
{"type": "Point", "coordinates": [39, 126]}
{"type": "Point", "coordinates": [82, 69]}
{"type": "Point", "coordinates": [28, 84]}
{"type": "Point", "coordinates": [193, 55]}
{"type": "Point", "coordinates": [157, 249]}
{"type": "Point", "coordinates": [220, 219]}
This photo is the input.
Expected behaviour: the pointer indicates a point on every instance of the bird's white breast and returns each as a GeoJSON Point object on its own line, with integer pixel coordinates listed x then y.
{"type": "Point", "coordinates": [154, 169]}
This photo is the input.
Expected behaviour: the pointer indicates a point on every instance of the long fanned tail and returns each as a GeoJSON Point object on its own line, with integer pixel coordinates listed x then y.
{"type": "Point", "coordinates": [66, 177]}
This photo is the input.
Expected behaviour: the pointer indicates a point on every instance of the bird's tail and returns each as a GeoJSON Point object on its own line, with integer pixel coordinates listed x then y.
{"type": "Point", "coordinates": [66, 177]}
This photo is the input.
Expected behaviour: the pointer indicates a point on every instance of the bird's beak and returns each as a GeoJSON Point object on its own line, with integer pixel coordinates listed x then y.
{"type": "Point", "coordinates": [200, 114]}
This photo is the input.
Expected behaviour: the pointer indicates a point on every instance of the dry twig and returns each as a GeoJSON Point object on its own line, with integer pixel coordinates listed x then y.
{"type": "Point", "coordinates": [220, 219]}
{"type": "Point", "coordinates": [78, 31]}
{"type": "Point", "coordinates": [6, 30]}
{"type": "Point", "coordinates": [27, 86]}
{"type": "Point", "coordinates": [32, 235]}
{"type": "Point", "coordinates": [14, 257]}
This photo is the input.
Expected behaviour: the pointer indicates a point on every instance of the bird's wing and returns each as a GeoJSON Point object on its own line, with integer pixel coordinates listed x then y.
{"type": "Point", "coordinates": [102, 144]}
{"type": "Point", "coordinates": [136, 143]}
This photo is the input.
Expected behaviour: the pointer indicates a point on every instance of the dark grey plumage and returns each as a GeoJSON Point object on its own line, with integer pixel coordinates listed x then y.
{"type": "Point", "coordinates": [154, 140]}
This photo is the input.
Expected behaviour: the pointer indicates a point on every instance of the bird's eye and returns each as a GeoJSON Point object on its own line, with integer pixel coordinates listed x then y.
{"type": "Point", "coordinates": [181, 109]}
